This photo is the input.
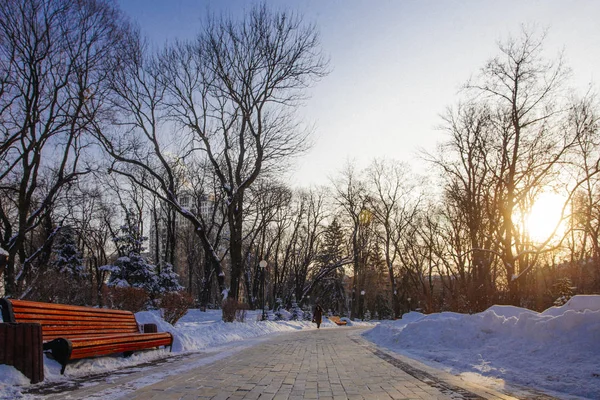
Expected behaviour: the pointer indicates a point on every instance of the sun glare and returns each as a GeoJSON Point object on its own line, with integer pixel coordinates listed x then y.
{"type": "Point", "coordinates": [544, 216]}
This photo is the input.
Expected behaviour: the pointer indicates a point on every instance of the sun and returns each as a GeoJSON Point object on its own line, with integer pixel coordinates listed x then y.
{"type": "Point", "coordinates": [544, 216]}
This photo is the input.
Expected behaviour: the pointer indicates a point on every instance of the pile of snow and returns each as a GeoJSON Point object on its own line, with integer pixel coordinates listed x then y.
{"type": "Point", "coordinates": [196, 331]}
{"type": "Point", "coordinates": [556, 350]}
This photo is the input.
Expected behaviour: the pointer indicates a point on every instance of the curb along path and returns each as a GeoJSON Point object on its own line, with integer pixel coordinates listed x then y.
{"type": "Point", "coordinates": [321, 364]}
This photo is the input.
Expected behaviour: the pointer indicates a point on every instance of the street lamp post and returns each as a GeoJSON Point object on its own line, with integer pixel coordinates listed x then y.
{"type": "Point", "coordinates": [263, 265]}
{"type": "Point", "coordinates": [353, 304]}
{"type": "Point", "coordinates": [362, 304]}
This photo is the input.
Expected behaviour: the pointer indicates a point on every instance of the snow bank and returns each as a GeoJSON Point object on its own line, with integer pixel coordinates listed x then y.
{"type": "Point", "coordinates": [576, 303]}
{"type": "Point", "coordinates": [557, 350]}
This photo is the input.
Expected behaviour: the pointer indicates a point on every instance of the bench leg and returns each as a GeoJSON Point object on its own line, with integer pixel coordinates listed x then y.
{"type": "Point", "coordinates": [21, 347]}
{"type": "Point", "coordinates": [61, 351]}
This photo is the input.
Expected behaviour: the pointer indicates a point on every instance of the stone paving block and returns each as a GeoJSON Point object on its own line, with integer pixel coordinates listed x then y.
{"type": "Point", "coordinates": [221, 396]}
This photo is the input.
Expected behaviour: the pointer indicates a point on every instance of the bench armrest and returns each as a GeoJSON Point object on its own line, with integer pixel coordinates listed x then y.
{"type": "Point", "coordinates": [149, 328]}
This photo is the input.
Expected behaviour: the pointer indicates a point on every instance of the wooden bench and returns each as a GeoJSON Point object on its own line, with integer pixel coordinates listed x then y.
{"type": "Point", "coordinates": [337, 320]}
{"type": "Point", "coordinates": [74, 332]}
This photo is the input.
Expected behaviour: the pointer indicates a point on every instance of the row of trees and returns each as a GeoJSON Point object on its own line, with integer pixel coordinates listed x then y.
{"type": "Point", "coordinates": [105, 141]}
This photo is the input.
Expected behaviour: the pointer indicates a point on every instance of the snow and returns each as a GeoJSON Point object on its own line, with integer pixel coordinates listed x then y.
{"type": "Point", "coordinates": [3, 252]}
{"type": "Point", "coordinates": [557, 351]}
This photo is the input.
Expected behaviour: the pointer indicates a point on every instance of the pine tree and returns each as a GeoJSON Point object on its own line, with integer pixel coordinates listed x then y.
{"type": "Point", "coordinates": [68, 259]}
{"type": "Point", "coordinates": [65, 281]}
{"type": "Point", "coordinates": [168, 280]}
{"type": "Point", "coordinates": [333, 244]}
{"type": "Point", "coordinates": [131, 269]}
{"type": "Point", "coordinates": [297, 313]}
{"type": "Point", "coordinates": [330, 289]}
{"type": "Point", "coordinates": [278, 310]}
{"type": "Point", "coordinates": [307, 313]}
{"type": "Point", "coordinates": [564, 290]}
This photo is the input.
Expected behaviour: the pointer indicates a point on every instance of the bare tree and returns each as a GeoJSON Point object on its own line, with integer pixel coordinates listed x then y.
{"type": "Point", "coordinates": [352, 197]}
{"type": "Point", "coordinates": [55, 57]}
{"type": "Point", "coordinates": [471, 197]}
{"type": "Point", "coordinates": [524, 93]}
{"type": "Point", "coordinates": [303, 251]}
{"type": "Point", "coordinates": [140, 145]}
{"type": "Point", "coordinates": [584, 230]}
{"type": "Point", "coordinates": [394, 205]}
{"type": "Point", "coordinates": [234, 90]}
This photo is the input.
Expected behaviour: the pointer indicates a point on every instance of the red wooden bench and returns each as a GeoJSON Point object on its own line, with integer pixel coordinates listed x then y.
{"type": "Point", "coordinates": [337, 320]}
{"type": "Point", "coordinates": [74, 332]}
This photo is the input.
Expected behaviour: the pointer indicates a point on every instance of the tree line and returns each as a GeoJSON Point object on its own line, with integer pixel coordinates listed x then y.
{"type": "Point", "coordinates": [122, 164]}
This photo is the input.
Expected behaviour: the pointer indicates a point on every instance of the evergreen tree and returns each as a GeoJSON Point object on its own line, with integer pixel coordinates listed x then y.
{"type": "Point", "coordinates": [68, 259]}
{"type": "Point", "coordinates": [168, 280]}
{"type": "Point", "coordinates": [382, 308]}
{"type": "Point", "coordinates": [307, 313]}
{"type": "Point", "coordinates": [132, 269]}
{"type": "Point", "coordinates": [297, 313]}
{"type": "Point", "coordinates": [564, 290]}
{"type": "Point", "coordinates": [278, 310]}
{"type": "Point", "coordinates": [65, 281]}
{"type": "Point", "coordinates": [330, 290]}
{"type": "Point", "coordinates": [334, 244]}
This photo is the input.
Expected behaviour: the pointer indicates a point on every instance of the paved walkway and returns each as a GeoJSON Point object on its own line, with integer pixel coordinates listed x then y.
{"type": "Point", "coordinates": [323, 364]}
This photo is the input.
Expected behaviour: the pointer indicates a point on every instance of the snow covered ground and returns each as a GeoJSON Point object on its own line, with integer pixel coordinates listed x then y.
{"type": "Point", "coordinates": [557, 350]}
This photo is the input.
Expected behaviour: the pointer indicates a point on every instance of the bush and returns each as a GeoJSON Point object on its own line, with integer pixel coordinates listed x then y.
{"type": "Point", "coordinates": [234, 311]}
{"type": "Point", "coordinates": [278, 310]}
{"type": "Point", "coordinates": [308, 315]}
{"type": "Point", "coordinates": [56, 287]}
{"type": "Point", "coordinates": [125, 298]}
{"type": "Point", "coordinates": [175, 305]}
{"type": "Point", "coordinates": [229, 309]}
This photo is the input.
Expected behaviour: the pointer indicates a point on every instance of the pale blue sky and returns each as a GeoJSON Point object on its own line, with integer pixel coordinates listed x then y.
{"type": "Point", "coordinates": [396, 65]}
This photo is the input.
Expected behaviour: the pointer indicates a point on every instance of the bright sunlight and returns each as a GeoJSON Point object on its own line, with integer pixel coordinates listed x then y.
{"type": "Point", "coordinates": [544, 216]}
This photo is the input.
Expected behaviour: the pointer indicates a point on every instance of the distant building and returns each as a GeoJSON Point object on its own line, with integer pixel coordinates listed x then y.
{"type": "Point", "coordinates": [170, 230]}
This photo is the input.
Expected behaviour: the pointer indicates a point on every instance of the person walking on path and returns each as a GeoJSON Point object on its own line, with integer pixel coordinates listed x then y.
{"type": "Point", "coordinates": [318, 315]}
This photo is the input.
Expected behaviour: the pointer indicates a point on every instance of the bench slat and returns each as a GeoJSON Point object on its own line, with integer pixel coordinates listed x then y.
{"type": "Point", "coordinates": [47, 307]}
{"type": "Point", "coordinates": [74, 322]}
{"type": "Point", "coordinates": [117, 338]}
{"type": "Point", "coordinates": [22, 313]}
{"type": "Point", "coordinates": [86, 352]}
{"type": "Point", "coordinates": [94, 327]}
{"type": "Point", "coordinates": [84, 333]}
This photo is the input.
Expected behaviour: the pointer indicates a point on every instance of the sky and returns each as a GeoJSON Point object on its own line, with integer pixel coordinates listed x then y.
{"type": "Point", "coordinates": [395, 65]}
{"type": "Point", "coordinates": [505, 347]}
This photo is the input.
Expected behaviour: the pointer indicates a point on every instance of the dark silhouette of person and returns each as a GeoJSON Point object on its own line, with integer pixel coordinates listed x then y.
{"type": "Point", "coordinates": [318, 315]}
